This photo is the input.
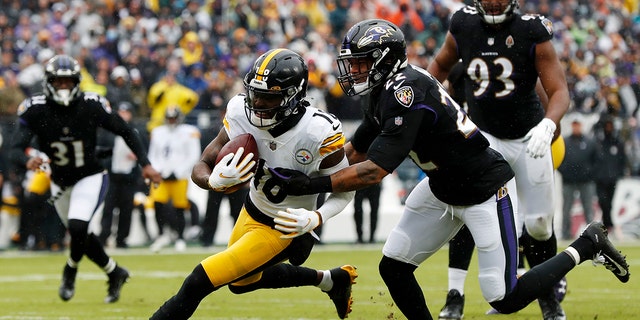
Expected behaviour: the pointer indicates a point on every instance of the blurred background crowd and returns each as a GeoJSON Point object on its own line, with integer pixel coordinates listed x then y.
{"type": "Point", "coordinates": [194, 53]}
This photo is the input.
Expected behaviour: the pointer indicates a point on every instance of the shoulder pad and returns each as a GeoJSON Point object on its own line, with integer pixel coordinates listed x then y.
{"type": "Point", "coordinates": [27, 103]}
{"type": "Point", "coordinates": [536, 19]}
{"type": "Point", "coordinates": [92, 97]}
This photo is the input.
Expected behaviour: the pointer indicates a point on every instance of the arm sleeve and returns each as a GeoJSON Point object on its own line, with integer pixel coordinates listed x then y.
{"type": "Point", "coordinates": [20, 141]}
{"type": "Point", "coordinates": [335, 202]}
{"type": "Point", "coordinates": [130, 135]}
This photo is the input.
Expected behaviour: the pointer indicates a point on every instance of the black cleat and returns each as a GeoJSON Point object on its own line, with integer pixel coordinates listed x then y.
{"type": "Point", "coordinates": [551, 309]}
{"type": "Point", "coordinates": [453, 307]}
{"type": "Point", "coordinates": [343, 278]}
{"type": "Point", "coordinates": [117, 278]}
{"type": "Point", "coordinates": [605, 252]}
{"type": "Point", "coordinates": [68, 287]}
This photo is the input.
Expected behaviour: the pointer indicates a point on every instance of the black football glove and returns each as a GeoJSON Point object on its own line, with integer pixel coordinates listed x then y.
{"type": "Point", "coordinates": [297, 183]}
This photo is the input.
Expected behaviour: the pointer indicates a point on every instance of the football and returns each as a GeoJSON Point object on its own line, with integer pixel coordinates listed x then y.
{"type": "Point", "coordinates": [248, 142]}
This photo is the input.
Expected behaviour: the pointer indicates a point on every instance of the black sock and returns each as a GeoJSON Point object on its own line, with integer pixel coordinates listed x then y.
{"type": "Point", "coordinates": [539, 251]}
{"type": "Point", "coordinates": [404, 288]}
{"type": "Point", "coordinates": [535, 283]}
{"type": "Point", "coordinates": [181, 306]}
{"type": "Point", "coordinates": [282, 275]}
{"type": "Point", "coordinates": [461, 248]}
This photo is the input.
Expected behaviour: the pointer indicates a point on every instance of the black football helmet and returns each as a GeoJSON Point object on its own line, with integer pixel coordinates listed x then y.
{"type": "Point", "coordinates": [62, 66]}
{"type": "Point", "coordinates": [496, 13]}
{"type": "Point", "coordinates": [278, 79]}
{"type": "Point", "coordinates": [173, 116]}
{"type": "Point", "coordinates": [372, 51]}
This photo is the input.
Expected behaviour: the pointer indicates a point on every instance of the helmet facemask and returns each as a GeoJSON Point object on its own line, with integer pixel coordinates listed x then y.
{"type": "Point", "coordinates": [496, 12]}
{"type": "Point", "coordinates": [275, 105]}
{"type": "Point", "coordinates": [373, 67]}
{"type": "Point", "coordinates": [58, 68]}
{"type": "Point", "coordinates": [372, 51]}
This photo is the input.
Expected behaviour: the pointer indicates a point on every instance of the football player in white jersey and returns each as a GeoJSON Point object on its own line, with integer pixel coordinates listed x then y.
{"type": "Point", "coordinates": [291, 134]}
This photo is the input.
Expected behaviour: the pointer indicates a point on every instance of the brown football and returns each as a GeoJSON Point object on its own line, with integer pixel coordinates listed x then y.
{"type": "Point", "coordinates": [248, 142]}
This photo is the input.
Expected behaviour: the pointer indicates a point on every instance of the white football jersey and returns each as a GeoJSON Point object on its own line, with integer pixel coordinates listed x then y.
{"type": "Point", "coordinates": [175, 150]}
{"type": "Point", "coordinates": [303, 147]}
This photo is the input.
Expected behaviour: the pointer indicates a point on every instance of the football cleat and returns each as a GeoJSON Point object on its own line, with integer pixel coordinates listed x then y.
{"type": "Point", "coordinates": [453, 307]}
{"type": "Point", "coordinates": [67, 287]}
{"type": "Point", "coordinates": [117, 278]}
{"type": "Point", "coordinates": [343, 278]}
{"type": "Point", "coordinates": [551, 309]}
{"type": "Point", "coordinates": [605, 252]}
{"type": "Point", "coordinates": [162, 241]}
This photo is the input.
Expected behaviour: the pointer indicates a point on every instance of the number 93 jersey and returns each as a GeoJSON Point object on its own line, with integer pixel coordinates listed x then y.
{"type": "Point", "coordinates": [500, 70]}
{"type": "Point", "coordinates": [300, 143]}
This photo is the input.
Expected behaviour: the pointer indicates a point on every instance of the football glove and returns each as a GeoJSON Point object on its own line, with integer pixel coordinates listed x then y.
{"type": "Point", "coordinates": [296, 222]}
{"type": "Point", "coordinates": [540, 137]}
{"type": "Point", "coordinates": [297, 183]}
{"type": "Point", "coordinates": [228, 172]}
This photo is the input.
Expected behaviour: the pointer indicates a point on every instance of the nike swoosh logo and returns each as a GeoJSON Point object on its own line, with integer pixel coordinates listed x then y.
{"type": "Point", "coordinates": [336, 126]}
{"type": "Point", "coordinates": [225, 177]}
{"type": "Point", "coordinates": [622, 271]}
{"type": "Point", "coordinates": [398, 85]}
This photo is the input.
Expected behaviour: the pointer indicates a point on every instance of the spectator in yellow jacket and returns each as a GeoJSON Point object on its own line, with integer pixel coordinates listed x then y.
{"type": "Point", "coordinates": [166, 92]}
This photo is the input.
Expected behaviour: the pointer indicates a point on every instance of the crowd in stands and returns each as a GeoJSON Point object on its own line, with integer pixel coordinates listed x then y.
{"type": "Point", "coordinates": [194, 53]}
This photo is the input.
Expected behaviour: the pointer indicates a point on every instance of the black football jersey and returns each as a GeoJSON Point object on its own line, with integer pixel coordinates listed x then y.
{"type": "Point", "coordinates": [500, 70]}
{"type": "Point", "coordinates": [412, 115]}
{"type": "Point", "coordinates": [68, 134]}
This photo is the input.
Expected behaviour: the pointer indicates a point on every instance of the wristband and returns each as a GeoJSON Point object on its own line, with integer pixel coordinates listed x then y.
{"type": "Point", "coordinates": [320, 184]}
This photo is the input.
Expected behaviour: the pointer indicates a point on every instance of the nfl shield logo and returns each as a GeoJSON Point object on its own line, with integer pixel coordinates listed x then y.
{"type": "Point", "coordinates": [397, 121]}
{"type": "Point", "coordinates": [490, 41]}
{"type": "Point", "coordinates": [273, 145]}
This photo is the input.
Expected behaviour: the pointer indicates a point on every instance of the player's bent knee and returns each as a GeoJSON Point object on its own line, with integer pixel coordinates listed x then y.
{"type": "Point", "coordinates": [492, 284]}
{"type": "Point", "coordinates": [78, 228]}
{"type": "Point", "coordinates": [197, 284]}
{"type": "Point", "coordinates": [539, 228]}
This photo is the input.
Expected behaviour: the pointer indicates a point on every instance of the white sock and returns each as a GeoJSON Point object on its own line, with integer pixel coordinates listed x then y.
{"type": "Point", "coordinates": [573, 253]}
{"type": "Point", "coordinates": [72, 263]}
{"type": "Point", "coordinates": [111, 265]}
{"type": "Point", "coordinates": [326, 283]}
{"type": "Point", "coordinates": [456, 279]}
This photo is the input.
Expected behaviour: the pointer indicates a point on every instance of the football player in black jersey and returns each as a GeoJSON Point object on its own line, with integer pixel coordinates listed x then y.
{"type": "Point", "coordinates": [504, 54]}
{"type": "Point", "coordinates": [63, 121]}
{"type": "Point", "coordinates": [410, 113]}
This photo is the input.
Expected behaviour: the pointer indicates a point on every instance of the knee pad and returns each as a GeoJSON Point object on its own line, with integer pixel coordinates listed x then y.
{"type": "Point", "coordinates": [492, 284]}
{"type": "Point", "coordinates": [539, 227]}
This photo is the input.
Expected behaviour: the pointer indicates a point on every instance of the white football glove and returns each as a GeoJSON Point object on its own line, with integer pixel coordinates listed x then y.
{"type": "Point", "coordinates": [540, 138]}
{"type": "Point", "coordinates": [296, 222]}
{"type": "Point", "coordinates": [228, 172]}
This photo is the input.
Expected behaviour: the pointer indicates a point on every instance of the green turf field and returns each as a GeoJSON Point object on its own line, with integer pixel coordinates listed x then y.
{"type": "Point", "coordinates": [29, 284]}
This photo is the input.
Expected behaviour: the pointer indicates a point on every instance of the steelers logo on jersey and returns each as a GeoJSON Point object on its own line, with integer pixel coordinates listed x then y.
{"type": "Point", "coordinates": [404, 96]}
{"type": "Point", "coordinates": [304, 156]}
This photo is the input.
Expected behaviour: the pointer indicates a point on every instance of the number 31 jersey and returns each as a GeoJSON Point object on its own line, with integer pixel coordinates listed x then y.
{"type": "Point", "coordinates": [500, 70]}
